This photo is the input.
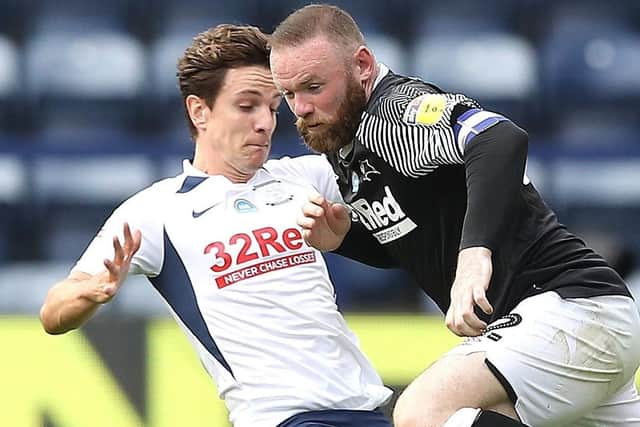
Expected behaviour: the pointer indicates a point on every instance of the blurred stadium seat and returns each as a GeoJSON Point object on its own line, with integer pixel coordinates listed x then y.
{"type": "Point", "coordinates": [163, 91]}
{"type": "Point", "coordinates": [34, 280]}
{"type": "Point", "coordinates": [490, 65]}
{"type": "Point", "coordinates": [77, 195]}
{"type": "Point", "coordinates": [194, 16]}
{"type": "Point", "coordinates": [84, 80]}
{"type": "Point", "coordinates": [86, 180]}
{"type": "Point", "coordinates": [82, 15]}
{"type": "Point", "coordinates": [497, 69]}
{"type": "Point", "coordinates": [13, 179]}
{"type": "Point", "coordinates": [598, 127]}
{"type": "Point", "coordinates": [8, 67]}
{"type": "Point", "coordinates": [13, 189]}
{"type": "Point", "coordinates": [9, 83]}
{"type": "Point", "coordinates": [462, 17]}
{"type": "Point", "coordinates": [388, 51]}
{"type": "Point", "coordinates": [591, 65]}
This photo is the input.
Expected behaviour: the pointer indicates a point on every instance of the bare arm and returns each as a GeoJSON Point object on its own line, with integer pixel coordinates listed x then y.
{"type": "Point", "coordinates": [71, 302]}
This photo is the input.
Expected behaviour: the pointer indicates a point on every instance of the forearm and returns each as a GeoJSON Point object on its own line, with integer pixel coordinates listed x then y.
{"type": "Point", "coordinates": [67, 306]}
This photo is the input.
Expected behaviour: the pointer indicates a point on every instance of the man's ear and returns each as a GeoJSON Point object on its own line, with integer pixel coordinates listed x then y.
{"type": "Point", "coordinates": [198, 112]}
{"type": "Point", "coordinates": [365, 63]}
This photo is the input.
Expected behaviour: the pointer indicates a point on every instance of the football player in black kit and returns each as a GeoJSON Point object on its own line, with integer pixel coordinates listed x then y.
{"type": "Point", "coordinates": [436, 185]}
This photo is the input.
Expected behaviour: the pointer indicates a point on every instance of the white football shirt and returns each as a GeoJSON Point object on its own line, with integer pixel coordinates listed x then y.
{"type": "Point", "coordinates": [254, 299]}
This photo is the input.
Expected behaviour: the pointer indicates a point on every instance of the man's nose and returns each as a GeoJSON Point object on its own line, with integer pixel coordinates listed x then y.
{"type": "Point", "coordinates": [266, 121]}
{"type": "Point", "coordinates": [301, 107]}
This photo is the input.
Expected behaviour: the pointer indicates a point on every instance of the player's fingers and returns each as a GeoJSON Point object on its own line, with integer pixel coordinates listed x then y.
{"type": "Point", "coordinates": [128, 238]}
{"type": "Point", "coordinates": [126, 231]}
{"type": "Point", "coordinates": [316, 198]}
{"type": "Point", "coordinates": [112, 269]}
{"type": "Point", "coordinates": [468, 331]}
{"type": "Point", "coordinates": [480, 298]}
{"type": "Point", "coordinates": [454, 321]}
{"type": "Point", "coordinates": [463, 320]}
{"type": "Point", "coordinates": [340, 211]}
{"type": "Point", "coordinates": [325, 204]}
{"type": "Point", "coordinates": [474, 323]}
{"type": "Point", "coordinates": [111, 266]}
{"type": "Point", "coordinates": [464, 330]}
{"type": "Point", "coordinates": [459, 321]}
{"type": "Point", "coordinates": [306, 222]}
{"type": "Point", "coordinates": [137, 240]}
{"type": "Point", "coordinates": [456, 324]}
{"type": "Point", "coordinates": [118, 253]}
{"type": "Point", "coordinates": [312, 210]}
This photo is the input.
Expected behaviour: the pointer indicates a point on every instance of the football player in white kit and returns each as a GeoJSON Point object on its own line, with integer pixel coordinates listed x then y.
{"type": "Point", "coordinates": [220, 244]}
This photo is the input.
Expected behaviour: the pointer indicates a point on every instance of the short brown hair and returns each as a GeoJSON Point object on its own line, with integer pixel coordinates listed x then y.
{"type": "Point", "coordinates": [204, 65]}
{"type": "Point", "coordinates": [314, 20]}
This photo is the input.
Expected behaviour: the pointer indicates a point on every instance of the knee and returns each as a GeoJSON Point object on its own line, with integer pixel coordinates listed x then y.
{"type": "Point", "coordinates": [405, 413]}
{"type": "Point", "coordinates": [404, 417]}
{"type": "Point", "coordinates": [419, 411]}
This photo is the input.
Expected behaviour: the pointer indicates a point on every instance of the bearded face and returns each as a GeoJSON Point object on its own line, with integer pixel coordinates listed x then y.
{"type": "Point", "coordinates": [324, 135]}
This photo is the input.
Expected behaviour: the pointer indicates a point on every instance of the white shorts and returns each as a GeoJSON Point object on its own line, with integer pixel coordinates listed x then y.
{"type": "Point", "coordinates": [567, 362]}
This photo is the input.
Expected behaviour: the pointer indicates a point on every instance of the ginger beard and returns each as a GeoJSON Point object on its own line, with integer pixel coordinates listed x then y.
{"type": "Point", "coordinates": [340, 130]}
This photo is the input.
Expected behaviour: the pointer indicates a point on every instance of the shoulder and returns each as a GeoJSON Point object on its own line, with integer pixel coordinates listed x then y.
{"type": "Point", "coordinates": [414, 102]}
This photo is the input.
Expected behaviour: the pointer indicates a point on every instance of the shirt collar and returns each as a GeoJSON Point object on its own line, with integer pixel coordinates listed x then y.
{"type": "Point", "coordinates": [189, 169]}
{"type": "Point", "coordinates": [383, 70]}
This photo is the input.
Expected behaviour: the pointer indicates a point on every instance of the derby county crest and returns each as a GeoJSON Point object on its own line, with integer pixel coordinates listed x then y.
{"type": "Point", "coordinates": [366, 170]}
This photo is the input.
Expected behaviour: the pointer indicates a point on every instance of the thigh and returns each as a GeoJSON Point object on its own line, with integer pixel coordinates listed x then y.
{"type": "Point", "coordinates": [452, 383]}
{"type": "Point", "coordinates": [561, 358]}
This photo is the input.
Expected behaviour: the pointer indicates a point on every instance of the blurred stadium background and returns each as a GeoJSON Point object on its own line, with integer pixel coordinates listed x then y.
{"type": "Point", "coordinates": [90, 113]}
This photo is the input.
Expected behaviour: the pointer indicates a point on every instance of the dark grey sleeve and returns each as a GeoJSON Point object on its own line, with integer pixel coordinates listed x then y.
{"type": "Point", "coordinates": [494, 163]}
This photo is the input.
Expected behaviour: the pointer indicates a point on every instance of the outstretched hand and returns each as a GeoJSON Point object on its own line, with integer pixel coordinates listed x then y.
{"type": "Point", "coordinates": [109, 282]}
{"type": "Point", "coordinates": [469, 289]}
{"type": "Point", "coordinates": [324, 224]}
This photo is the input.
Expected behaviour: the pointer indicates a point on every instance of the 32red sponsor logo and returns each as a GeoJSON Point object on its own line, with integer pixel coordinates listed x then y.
{"type": "Point", "coordinates": [246, 247]}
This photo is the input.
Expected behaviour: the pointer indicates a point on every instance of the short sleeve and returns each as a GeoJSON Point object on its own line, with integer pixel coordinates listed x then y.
{"type": "Point", "coordinates": [142, 213]}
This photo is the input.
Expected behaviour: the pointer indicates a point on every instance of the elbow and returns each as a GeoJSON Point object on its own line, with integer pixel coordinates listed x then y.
{"type": "Point", "coordinates": [53, 331]}
{"type": "Point", "coordinates": [49, 324]}
{"type": "Point", "coordinates": [518, 140]}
